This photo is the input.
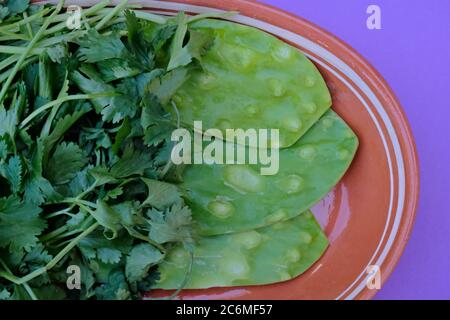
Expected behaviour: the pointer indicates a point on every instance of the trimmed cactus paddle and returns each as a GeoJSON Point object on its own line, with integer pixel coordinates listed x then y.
{"type": "Point", "coordinates": [234, 198]}
{"type": "Point", "coordinates": [251, 79]}
{"type": "Point", "coordinates": [272, 254]}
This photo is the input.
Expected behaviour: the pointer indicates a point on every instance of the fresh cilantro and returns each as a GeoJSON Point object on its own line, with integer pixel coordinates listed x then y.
{"type": "Point", "coordinates": [95, 47]}
{"type": "Point", "coordinates": [139, 261]}
{"type": "Point", "coordinates": [65, 162]}
{"type": "Point", "coordinates": [4, 11]}
{"type": "Point", "coordinates": [20, 224]}
{"type": "Point", "coordinates": [181, 53]}
{"type": "Point", "coordinates": [5, 294]}
{"type": "Point", "coordinates": [57, 53]}
{"type": "Point", "coordinates": [85, 171]}
{"type": "Point", "coordinates": [173, 225]}
{"type": "Point", "coordinates": [17, 6]}
{"type": "Point", "coordinates": [13, 172]}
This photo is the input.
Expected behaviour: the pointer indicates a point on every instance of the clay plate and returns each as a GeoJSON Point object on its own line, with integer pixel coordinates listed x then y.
{"type": "Point", "coordinates": [369, 215]}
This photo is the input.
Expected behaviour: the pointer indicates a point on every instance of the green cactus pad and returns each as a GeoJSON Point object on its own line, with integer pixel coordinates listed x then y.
{"type": "Point", "coordinates": [234, 198]}
{"type": "Point", "coordinates": [251, 79]}
{"type": "Point", "coordinates": [272, 254]}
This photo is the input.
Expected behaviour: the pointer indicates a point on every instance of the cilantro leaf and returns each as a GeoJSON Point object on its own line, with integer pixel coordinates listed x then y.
{"type": "Point", "coordinates": [155, 120]}
{"type": "Point", "coordinates": [20, 224]}
{"type": "Point", "coordinates": [115, 69]}
{"type": "Point", "coordinates": [13, 172]}
{"type": "Point", "coordinates": [4, 11]}
{"type": "Point", "coordinates": [107, 251]}
{"type": "Point", "coordinates": [199, 42]}
{"type": "Point", "coordinates": [61, 127]}
{"type": "Point", "coordinates": [161, 194]}
{"type": "Point", "coordinates": [5, 295]}
{"type": "Point", "coordinates": [9, 120]}
{"type": "Point", "coordinates": [17, 6]}
{"type": "Point", "coordinates": [37, 188]}
{"type": "Point", "coordinates": [141, 50]}
{"type": "Point", "coordinates": [108, 218]}
{"type": "Point", "coordinates": [57, 53]}
{"type": "Point", "coordinates": [174, 225]}
{"type": "Point", "coordinates": [65, 162]}
{"type": "Point", "coordinates": [68, 168]}
{"type": "Point", "coordinates": [96, 47]}
{"type": "Point", "coordinates": [115, 288]}
{"type": "Point", "coordinates": [3, 150]}
{"type": "Point", "coordinates": [89, 86]}
{"type": "Point", "coordinates": [81, 181]}
{"type": "Point", "coordinates": [132, 162]}
{"type": "Point", "coordinates": [124, 104]}
{"type": "Point", "coordinates": [141, 258]}
{"type": "Point", "coordinates": [50, 292]}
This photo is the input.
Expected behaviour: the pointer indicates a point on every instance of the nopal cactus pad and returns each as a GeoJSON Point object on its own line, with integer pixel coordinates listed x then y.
{"type": "Point", "coordinates": [232, 198]}
{"type": "Point", "coordinates": [272, 254]}
{"type": "Point", "coordinates": [250, 79]}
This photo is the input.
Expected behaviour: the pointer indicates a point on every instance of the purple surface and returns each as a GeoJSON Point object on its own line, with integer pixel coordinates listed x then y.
{"type": "Point", "coordinates": [412, 52]}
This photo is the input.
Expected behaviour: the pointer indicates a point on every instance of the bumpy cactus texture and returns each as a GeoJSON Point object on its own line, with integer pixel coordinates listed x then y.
{"type": "Point", "coordinates": [250, 79]}
{"type": "Point", "coordinates": [237, 198]}
{"type": "Point", "coordinates": [272, 254]}
{"type": "Point", "coordinates": [256, 229]}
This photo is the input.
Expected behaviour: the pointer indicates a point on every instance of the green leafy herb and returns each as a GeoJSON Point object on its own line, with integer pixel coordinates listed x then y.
{"type": "Point", "coordinates": [83, 145]}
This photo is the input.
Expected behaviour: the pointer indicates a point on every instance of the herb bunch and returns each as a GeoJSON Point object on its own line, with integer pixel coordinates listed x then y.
{"type": "Point", "coordinates": [85, 173]}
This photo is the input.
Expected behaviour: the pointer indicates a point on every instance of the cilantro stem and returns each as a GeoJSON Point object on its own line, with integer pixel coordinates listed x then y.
{"type": "Point", "coordinates": [30, 31]}
{"type": "Point", "coordinates": [99, 10]}
{"type": "Point", "coordinates": [87, 12]}
{"type": "Point", "coordinates": [140, 236]}
{"type": "Point", "coordinates": [65, 211]}
{"type": "Point", "coordinates": [29, 48]}
{"type": "Point", "coordinates": [79, 201]}
{"type": "Point", "coordinates": [48, 123]}
{"type": "Point", "coordinates": [20, 50]}
{"type": "Point", "coordinates": [150, 17]}
{"type": "Point", "coordinates": [30, 291]}
{"type": "Point", "coordinates": [53, 234]}
{"type": "Point", "coordinates": [9, 277]}
{"type": "Point", "coordinates": [60, 38]}
{"type": "Point", "coordinates": [59, 256]}
{"type": "Point", "coordinates": [111, 14]}
{"type": "Point", "coordinates": [6, 62]}
{"type": "Point", "coordinates": [61, 26]}
{"type": "Point", "coordinates": [25, 285]}
{"type": "Point", "coordinates": [6, 74]}
{"type": "Point", "coordinates": [67, 232]}
{"type": "Point", "coordinates": [51, 104]}
{"type": "Point", "coordinates": [29, 19]}
{"type": "Point", "coordinates": [87, 191]}
{"type": "Point", "coordinates": [221, 15]}
{"type": "Point", "coordinates": [13, 36]}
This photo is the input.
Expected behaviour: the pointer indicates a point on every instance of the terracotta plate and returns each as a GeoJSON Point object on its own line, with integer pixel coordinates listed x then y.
{"type": "Point", "coordinates": [369, 214]}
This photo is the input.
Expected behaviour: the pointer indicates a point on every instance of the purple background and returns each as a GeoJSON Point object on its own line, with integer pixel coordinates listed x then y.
{"type": "Point", "coordinates": [412, 52]}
